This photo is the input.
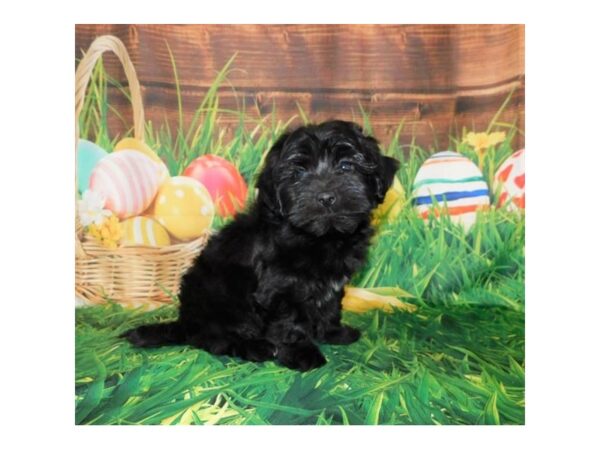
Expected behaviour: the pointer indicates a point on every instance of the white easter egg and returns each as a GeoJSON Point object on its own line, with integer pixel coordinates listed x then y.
{"type": "Point", "coordinates": [450, 183]}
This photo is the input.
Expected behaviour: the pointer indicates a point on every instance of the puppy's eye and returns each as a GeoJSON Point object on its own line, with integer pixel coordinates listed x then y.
{"type": "Point", "coordinates": [298, 171]}
{"type": "Point", "coordinates": [345, 166]}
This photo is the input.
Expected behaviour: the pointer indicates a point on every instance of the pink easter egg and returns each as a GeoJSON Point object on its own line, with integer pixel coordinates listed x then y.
{"type": "Point", "coordinates": [226, 185]}
{"type": "Point", "coordinates": [510, 181]}
{"type": "Point", "coordinates": [128, 180]}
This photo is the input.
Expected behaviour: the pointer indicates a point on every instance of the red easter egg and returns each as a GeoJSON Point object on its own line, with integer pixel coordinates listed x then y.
{"type": "Point", "coordinates": [221, 178]}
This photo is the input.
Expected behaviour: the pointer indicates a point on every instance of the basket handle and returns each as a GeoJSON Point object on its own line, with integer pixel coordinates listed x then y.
{"type": "Point", "coordinates": [82, 78]}
{"type": "Point", "coordinates": [84, 73]}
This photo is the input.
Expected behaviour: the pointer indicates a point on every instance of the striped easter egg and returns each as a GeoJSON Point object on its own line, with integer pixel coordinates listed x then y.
{"type": "Point", "coordinates": [144, 231]}
{"type": "Point", "coordinates": [509, 182]}
{"type": "Point", "coordinates": [140, 146]}
{"type": "Point", "coordinates": [128, 180]}
{"type": "Point", "coordinates": [450, 183]}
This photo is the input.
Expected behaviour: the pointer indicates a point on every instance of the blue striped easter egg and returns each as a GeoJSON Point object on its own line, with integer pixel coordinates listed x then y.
{"type": "Point", "coordinates": [450, 183]}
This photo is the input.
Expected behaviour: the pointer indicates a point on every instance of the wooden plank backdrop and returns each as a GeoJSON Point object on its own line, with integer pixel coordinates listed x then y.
{"type": "Point", "coordinates": [437, 79]}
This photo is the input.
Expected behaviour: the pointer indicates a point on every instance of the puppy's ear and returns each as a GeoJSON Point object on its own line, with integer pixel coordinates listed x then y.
{"type": "Point", "coordinates": [267, 193]}
{"type": "Point", "coordinates": [386, 168]}
{"type": "Point", "coordinates": [357, 129]}
{"type": "Point", "coordinates": [385, 176]}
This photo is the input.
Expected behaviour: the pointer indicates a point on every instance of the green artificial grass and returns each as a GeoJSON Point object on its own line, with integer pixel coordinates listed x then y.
{"type": "Point", "coordinates": [459, 359]}
{"type": "Point", "coordinates": [450, 365]}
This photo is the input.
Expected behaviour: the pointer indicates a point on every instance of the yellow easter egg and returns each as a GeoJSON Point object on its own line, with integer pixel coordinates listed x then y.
{"type": "Point", "coordinates": [144, 231]}
{"type": "Point", "coordinates": [140, 146]}
{"type": "Point", "coordinates": [184, 207]}
{"type": "Point", "coordinates": [392, 204]}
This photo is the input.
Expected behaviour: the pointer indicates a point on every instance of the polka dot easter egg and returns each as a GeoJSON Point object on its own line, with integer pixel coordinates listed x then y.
{"type": "Point", "coordinates": [128, 181]}
{"type": "Point", "coordinates": [452, 184]}
{"type": "Point", "coordinates": [88, 155]}
{"type": "Point", "coordinates": [509, 182]}
{"type": "Point", "coordinates": [225, 184]}
{"type": "Point", "coordinates": [144, 231]}
{"type": "Point", "coordinates": [184, 207]}
{"type": "Point", "coordinates": [142, 147]}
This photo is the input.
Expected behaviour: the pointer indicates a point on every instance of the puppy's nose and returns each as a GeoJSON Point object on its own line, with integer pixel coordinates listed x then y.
{"type": "Point", "coordinates": [326, 198]}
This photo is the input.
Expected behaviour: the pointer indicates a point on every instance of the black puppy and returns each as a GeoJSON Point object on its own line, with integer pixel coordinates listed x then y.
{"type": "Point", "coordinates": [269, 285]}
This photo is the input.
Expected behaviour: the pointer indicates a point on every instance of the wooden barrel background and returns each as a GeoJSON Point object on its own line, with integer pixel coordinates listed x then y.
{"type": "Point", "coordinates": [436, 79]}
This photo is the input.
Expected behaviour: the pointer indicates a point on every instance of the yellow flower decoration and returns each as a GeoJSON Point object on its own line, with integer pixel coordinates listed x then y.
{"type": "Point", "coordinates": [482, 141]}
{"type": "Point", "coordinates": [108, 233]}
{"type": "Point", "coordinates": [392, 204]}
{"type": "Point", "coordinates": [385, 298]}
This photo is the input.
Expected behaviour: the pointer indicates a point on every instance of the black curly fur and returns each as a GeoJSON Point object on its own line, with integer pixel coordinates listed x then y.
{"type": "Point", "coordinates": [269, 285]}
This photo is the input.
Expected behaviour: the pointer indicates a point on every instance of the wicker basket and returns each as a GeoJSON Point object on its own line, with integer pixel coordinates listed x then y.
{"type": "Point", "coordinates": [133, 275]}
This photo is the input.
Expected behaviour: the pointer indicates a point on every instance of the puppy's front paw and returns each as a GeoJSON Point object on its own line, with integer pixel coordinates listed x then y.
{"type": "Point", "coordinates": [259, 350]}
{"type": "Point", "coordinates": [302, 356]}
{"type": "Point", "coordinates": [138, 337]}
{"type": "Point", "coordinates": [341, 335]}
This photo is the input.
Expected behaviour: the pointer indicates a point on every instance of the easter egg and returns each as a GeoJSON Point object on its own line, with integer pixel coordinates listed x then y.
{"type": "Point", "coordinates": [221, 178]}
{"type": "Point", "coordinates": [128, 180]}
{"type": "Point", "coordinates": [509, 182]}
{"type": "Point", "coordinates": [140, 146]}
{"type": "Point", "coordinates": [392, 204]}
{"type": "Point", "coordinates": [184, 207]}
{"type": "Point", "coordinates": [450, 183]}
{"type": "Point", "coordinates": [88, 155]}
{"type": "Point", "coordinates": [144, 231]}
